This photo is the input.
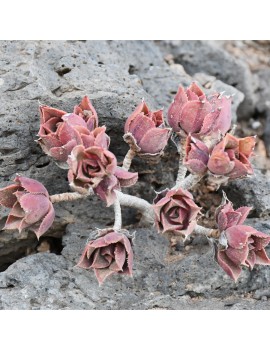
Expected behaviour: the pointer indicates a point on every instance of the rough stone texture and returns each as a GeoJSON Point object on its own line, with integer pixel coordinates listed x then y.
{"type": "Point", "coordinates": [116, 75]}
{"type": "Point", "coordinates": [253, 191]}
{"type": "Point", "coordinates": [255, 54]}
{"type": "Point", "coordinates": [193, 281]}
{"type": "Point", "coordinates": [266, 136]}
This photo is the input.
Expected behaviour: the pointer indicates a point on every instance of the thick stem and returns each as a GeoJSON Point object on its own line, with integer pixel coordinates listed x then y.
{"type": "Point", "coordinates": [190, 181]}
{"type": "Point", "coordinates": [142, 205]}
{"type": "Point", "coordinates": [210, 233]}
{"type": "Point", "coordinates": [181, 170]}
{"type": "Point", "coordinates": [117, 215]}
{"type": "Point", "coordinates": [67, 197]}
{"type": "Point", "coordinates": [180, 144]}
{"type": "Point", "coordinates": [128, 159]}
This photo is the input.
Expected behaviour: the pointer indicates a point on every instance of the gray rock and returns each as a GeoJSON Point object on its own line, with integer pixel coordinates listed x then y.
{"type": "Point", "coordinates": [263, 92]}
{"type": "Point", "coordinates": [191, 281]}
{"type": "Point", "coordinates": [266, 135]}
{"type": "Point", "coordinates": [253, 191]}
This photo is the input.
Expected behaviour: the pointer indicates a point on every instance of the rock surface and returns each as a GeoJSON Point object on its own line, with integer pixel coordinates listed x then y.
{"type": "Point", "coordinates": [192, 280]}
{"type": "Point", "coordinates": [115, 75]}
{"type": "Point", "coordinates": [253, 191]}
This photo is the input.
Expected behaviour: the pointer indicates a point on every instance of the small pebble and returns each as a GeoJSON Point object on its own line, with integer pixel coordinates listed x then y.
{"type": "Point", "coordinates": [264, 298]}
{"type": "Point", "coordinates": [256, 125]}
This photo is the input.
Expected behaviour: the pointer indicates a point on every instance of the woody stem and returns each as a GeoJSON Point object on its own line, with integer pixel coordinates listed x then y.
{"type": "Point", "coordinates": [181, 170]}
{"type": "Point", "coordinates": [67, 197]}
{"type": "Point", "coordinates": [210, 233]}
{"type": "Point", "coordinates": [190, 181]}
{"type": "Point", "coordinates": [128, 159]}
{"type": "Point", "coordinates": [143, 206]}
{"type": "Point", "coordinates": [117, 215]}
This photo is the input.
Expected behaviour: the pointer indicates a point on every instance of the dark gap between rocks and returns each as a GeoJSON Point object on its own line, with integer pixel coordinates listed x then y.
{"type": "Point", "coordinates": [30, 246]}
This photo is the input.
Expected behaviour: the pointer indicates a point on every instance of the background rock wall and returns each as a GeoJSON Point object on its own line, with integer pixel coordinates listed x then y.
{"type": "Point", "coordinates": [116, 75]}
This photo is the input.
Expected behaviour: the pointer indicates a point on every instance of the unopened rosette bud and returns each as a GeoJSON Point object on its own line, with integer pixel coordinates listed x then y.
{"type": "Point", "coordinates": [175, 212]}
{"type": "Point", "coordinates": [30, 205]}
{"type": "Point", "coordinates": [109, 254]}
{"type": "Point", "coordinates": [192, 112]}
{"type": "Point", "coordinates": [230, 157]}
{"type": "Point", "coordinates": [145, 131]}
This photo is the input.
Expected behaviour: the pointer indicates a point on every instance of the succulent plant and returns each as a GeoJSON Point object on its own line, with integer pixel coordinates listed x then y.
{"type": "Point", "coordinates": [148, 130]}
{"type": "Point", "coordinates": [30, 206]}
{"type": "Point", "coordinates": [231, 156]}
{"type": "Point", "coordinates": [109, 254]}
{"type": "Point", "coordinates": [193, 112]}
{"type": "Point", "coordinates": [175, 211]}
{"type": "Point", "coordinates": [200, 125]}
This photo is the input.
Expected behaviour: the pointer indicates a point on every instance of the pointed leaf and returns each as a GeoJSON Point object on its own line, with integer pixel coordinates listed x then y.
{"type": "Point", "coordinates": [46, 222]}
{"type": "Point", "coordinates": [35, 207]}
{"type": "Point", "coordinates": [102, 274]}
{"type": "Point", "coordinates": [47, 112]}
{"type": "Point", "coordinates": [154, 140]}
{"type": "Point", "coordinates": [227, 265]}
{"type": "Point", "coordinates": [192, 116]}
{"type": "Point", "coordinates": [244, 211]}
{"type": "Point", "coordinates": [126, 178]}
{"type": "Point", "coordinates": [31, 185]}
{"type": "Point", "coordinates": [175, 109]}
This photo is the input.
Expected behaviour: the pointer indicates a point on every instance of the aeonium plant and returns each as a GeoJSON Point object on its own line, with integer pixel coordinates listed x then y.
{"type": "Point", "coordinates": [200, 126]}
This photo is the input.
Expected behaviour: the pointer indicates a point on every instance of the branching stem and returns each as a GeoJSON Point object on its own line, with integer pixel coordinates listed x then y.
{"type": "Point", "coordinates": [189, 182]}
{"type": "Point", "coordinates": [181, 170]}
{"type": "Point", "coordinates": [117, 215]}
{"type": "Point", "coordinates": [210, 233]}
{"type": "Point", "coordinates": [180, 144]}
{"type": "Point", "coordinates": [142, 205]}
{"type": "Point", "coordinates": [128, 159]}
{"type": "Point", "coordinates": [67, 197]}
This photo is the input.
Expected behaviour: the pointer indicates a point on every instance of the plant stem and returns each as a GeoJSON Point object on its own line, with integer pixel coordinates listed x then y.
{"type": "Point", "coordinates": [128, 159]}
{"type": "Point", "coordinates": [181, 170]}
{"type": "Point", "coordinates": [190, 181]}
{"type": "Point", "coordinates": [180, 144]}
{"type": "Point", "coordinates": [142, 205]}
{"type": "Point", "coordinates": [67, 197]}
{"type": "Point", "coordinates": [210, 233]}
{"type": "Point", "coordinates": [117, 215]}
